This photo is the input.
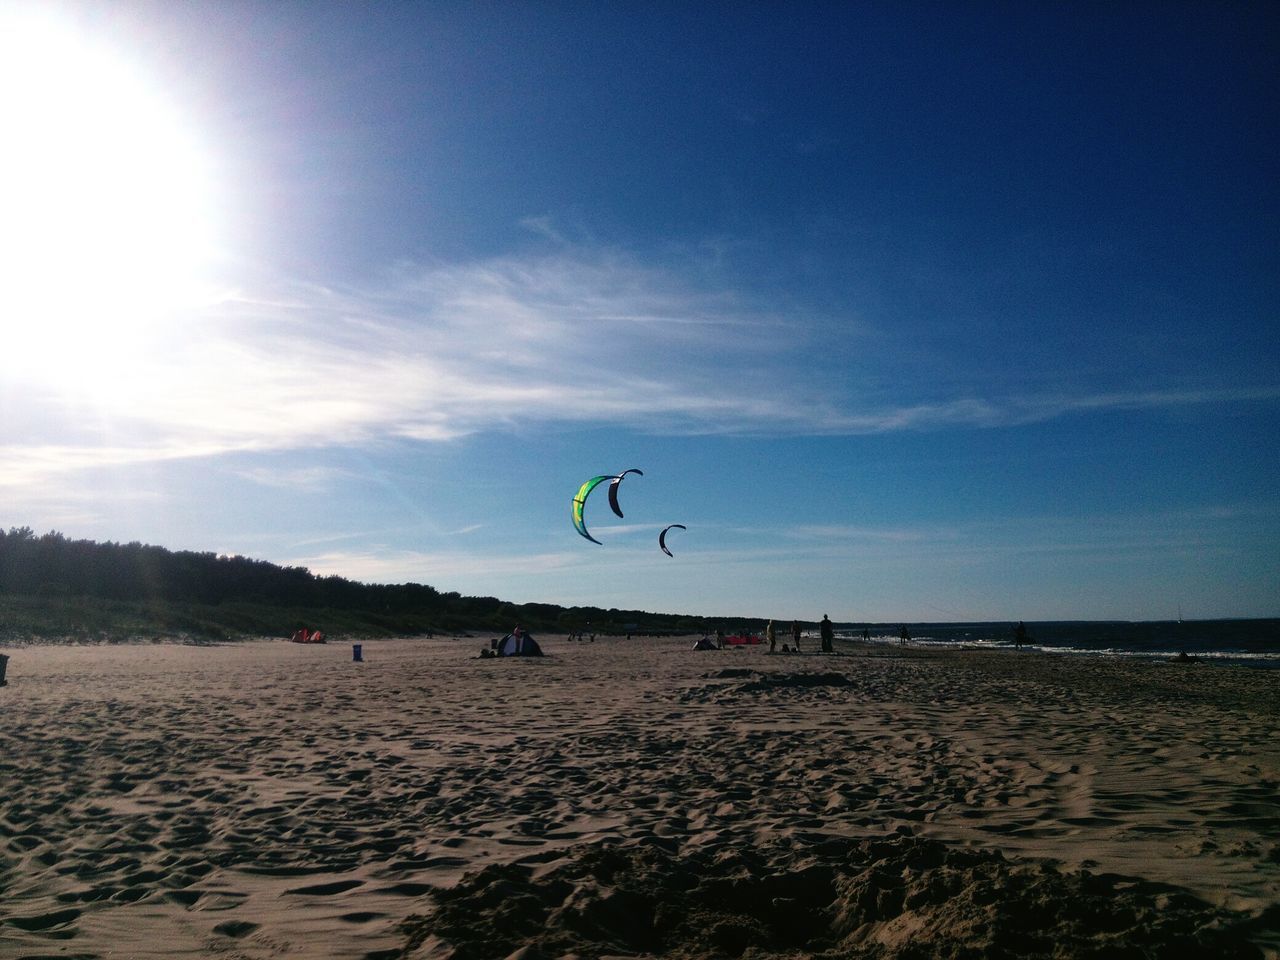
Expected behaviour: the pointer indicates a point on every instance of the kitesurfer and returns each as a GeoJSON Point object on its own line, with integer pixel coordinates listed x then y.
{"type": "Point", "coordinates": [827, 634]}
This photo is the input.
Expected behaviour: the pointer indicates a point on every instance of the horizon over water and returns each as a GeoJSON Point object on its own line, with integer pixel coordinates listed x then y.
{"type": "Point", "coordinates": [1245, 642]}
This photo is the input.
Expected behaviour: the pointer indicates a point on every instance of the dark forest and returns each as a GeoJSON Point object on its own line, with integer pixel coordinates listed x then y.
{"type": "Point", "coordinates": [55, 587]}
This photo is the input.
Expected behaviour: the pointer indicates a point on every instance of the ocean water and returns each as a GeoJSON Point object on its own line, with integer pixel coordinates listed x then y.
{"type": "Point", "coordinates": [1244, 642]}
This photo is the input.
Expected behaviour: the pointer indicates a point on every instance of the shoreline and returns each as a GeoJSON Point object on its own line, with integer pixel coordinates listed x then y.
{"type": "Point", "coordinates": [184, 800]}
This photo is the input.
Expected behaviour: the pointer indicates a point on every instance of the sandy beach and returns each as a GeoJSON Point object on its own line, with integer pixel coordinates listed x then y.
{"type": "Point", "coordinates": [632, 798]}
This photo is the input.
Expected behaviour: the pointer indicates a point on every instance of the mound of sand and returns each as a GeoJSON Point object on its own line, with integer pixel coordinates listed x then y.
{"type": "Point", "coordinates": [888, 898]}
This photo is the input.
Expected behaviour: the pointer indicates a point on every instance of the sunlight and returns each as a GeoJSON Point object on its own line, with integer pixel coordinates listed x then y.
{"type": "Point", "coordinates": [106, 225]}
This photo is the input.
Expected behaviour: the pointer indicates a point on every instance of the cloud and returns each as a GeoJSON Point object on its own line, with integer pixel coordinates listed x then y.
{"type": "Point", "coordinates": [842, 532]}
{"type": "Point", "coordinates": [1046, 407]}
{"type": "Point", "coordinates": [29, 465]}
{"type": "Point", "coordinates": [294, 478]}
{"type": "Point", "coordinates": [1210, 527]}
{"type": "Point", "coordinates": [1012, 411]}
{"type": "Point", "coordinates": [400, 566]}
{"type": "Point", "coordinates": [438, 352]}
{"type": "Point", "coordinates": [432, 354]}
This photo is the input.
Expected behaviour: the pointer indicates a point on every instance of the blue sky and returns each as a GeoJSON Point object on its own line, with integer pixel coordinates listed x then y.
{"type": "Point", "coordinates": [907, 311]}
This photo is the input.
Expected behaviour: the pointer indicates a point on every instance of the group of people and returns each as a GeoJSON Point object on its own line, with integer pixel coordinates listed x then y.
{"type": "Point", "coordinates": [826, 633]}
{"type": "Point", "coordinates": [520, 643]}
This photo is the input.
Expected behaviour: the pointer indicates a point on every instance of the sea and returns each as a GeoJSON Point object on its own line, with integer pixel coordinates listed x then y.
{"type": "Point", "coordinates": [1249, 643]}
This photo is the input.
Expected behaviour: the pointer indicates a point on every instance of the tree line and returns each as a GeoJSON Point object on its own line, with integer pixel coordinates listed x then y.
{"type": "Point", "coordinates": [137, 586]}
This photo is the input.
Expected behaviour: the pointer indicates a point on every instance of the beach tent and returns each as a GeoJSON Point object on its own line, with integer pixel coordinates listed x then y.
{"type": "Point", "coordinates": [522, 646]}
{"type": "Point", "coordinates": [706, 643]}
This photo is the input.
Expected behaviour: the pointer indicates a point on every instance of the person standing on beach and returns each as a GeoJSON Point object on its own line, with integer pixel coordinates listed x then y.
{"type": "Point", "coordinates": [795, 635]}
{"type": "Point", "coordinates": [905, 635]}
{"type": "Point", "coordinates": [771, 634]}
{"type": "Point", "coordinates": [719, 638]}
{"type": "Point", "coordinates": [1019, 635]}
{"type": "Point", "coordinates": [827, 634]}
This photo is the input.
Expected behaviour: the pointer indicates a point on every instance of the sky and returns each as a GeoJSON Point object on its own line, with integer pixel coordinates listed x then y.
{"type": "Point", "coordinates": [907, 311]}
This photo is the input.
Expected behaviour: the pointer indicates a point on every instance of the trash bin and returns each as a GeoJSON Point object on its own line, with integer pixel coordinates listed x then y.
{"type": "Point", "coordinates": [357, 650]}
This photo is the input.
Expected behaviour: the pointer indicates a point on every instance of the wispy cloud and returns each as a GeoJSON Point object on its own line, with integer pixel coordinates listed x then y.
{"type": "Point", "coordinates": [1107, 535]}
{"type": "Point", "coordinates": [841, 532]}
{"type": "Point", "coordinates": [1007, 411]}
{"type": "Point", "coordinates": [435, 353]}
{"type": "Point", "coordinates": [294, 478]}
{"type": "Point", "coordinates": [399, 566]}
{"type": "Point", "coordinates": [432, 354]}
{"type": "Point", "coordinates": [28, 466]}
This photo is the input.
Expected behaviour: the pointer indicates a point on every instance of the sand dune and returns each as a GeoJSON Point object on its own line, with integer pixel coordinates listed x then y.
{"type": "Point", "coordinates": [631, 798]}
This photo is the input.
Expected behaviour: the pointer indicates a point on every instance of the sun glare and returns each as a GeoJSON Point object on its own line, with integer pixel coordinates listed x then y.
{"type": "Point", "coordinates": [106, 226]}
